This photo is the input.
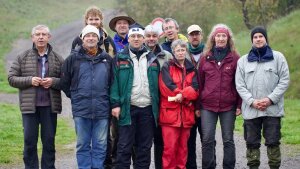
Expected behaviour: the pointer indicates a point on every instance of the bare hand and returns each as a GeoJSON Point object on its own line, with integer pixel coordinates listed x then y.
{"type": "Point", "coordinates": [46, 82]}
{"type": "Point", "coordinates": [238, 112]}
{"type": "Point", "coordinates": [197, 113]}
{"type": "Point", "coordinates": [35, 81]}
{"type": "Point", "coordinates": [262, 104]}
{"type": "Point", "coordinates": [116, 112]}
{"type": "Point", "coordinates": [178, 98]}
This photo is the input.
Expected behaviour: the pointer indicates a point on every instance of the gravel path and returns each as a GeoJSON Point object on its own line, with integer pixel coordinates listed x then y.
{"type": "Point", "coordinates": [61, 41]}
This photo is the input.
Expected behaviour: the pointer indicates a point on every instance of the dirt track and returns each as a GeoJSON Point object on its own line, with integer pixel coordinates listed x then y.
{"type": "Point", "coordinates": [61, 41]}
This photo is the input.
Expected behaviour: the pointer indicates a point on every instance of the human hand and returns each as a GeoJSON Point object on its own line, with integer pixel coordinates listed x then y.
{"type": "Point", "coordinates": [178, 98]}
{"type": "Point", "coordinates": [116, 112]}
{"type": "Point", "coordinates": [238, 112]}
{"type": "Point", "coordinates": [35, 81]}
{"type": "Point", "coordinates": [260, 104]}
{"type": "Point", "coordinates": [197, 113]}
{"type": "Point", "coordinates": [46, 82]}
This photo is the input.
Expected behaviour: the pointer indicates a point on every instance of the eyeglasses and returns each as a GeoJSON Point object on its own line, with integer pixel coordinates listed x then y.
{"type": "Point", "coordinates": [194, 34]}
{"type": "Point", "coordinates": [41, 34]}
{"type": "Point", "coordinates": [169, 27]}
{"type": "Point", "coordinates": [136, 36]}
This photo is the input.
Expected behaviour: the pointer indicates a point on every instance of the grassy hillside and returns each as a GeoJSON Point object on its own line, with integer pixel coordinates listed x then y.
{"type": "Point", "coordinates": [17, 17]}
{"type": "Point", "coordinates": [284, 36]}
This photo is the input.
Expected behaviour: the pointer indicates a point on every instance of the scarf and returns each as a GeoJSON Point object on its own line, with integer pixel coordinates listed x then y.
{"type": "Point", "coordinates": [263, 54]}
{"type": "Point", "coordinates": [220, 53]}
{"type": "Point", "coordinates": [196, 50]}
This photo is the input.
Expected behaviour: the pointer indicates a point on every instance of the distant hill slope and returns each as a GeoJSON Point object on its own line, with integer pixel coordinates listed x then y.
{"type": "Point", "coordinates": [284, 36]}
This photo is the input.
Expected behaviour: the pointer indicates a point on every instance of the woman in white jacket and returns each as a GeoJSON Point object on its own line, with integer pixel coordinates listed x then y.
{"type": "Point", "coordinates": [262, 77]}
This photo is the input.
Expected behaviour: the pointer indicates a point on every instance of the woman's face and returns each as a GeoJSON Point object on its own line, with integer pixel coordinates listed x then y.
{"type": "Point", "coordinates": [180, 53]}
{"type": "Point", "coordinates": [221, 40]}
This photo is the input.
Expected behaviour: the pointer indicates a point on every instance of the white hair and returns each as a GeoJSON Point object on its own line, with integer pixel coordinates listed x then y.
{"type": "Point", "coordinates": [151, 29]}
{"type": "Point", "coordinates": [38, 27]}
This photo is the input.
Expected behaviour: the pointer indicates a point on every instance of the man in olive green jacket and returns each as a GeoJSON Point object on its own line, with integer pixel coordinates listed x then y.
{"type": "Point", "coordinates": [36, 73]}
{"type": "Point", "coordinates": [134, 100]}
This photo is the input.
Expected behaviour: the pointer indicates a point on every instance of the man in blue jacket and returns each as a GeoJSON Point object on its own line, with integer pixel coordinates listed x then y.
{"type": "Point", "coordinates": [86, 80]}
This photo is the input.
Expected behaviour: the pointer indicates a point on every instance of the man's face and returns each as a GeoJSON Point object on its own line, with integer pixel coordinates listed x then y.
{"type": "Point", "coordinates": [259, 40]}
{"type": "Point", "coordinates": [195, 38]}
{"type": "Point", "coordinates": [151, 39]}
{"type": "Point", "coordinates": [136, 40]}
{"type": "Point", "coordinates": [94, 20]}
{"type": "Point", "coordinates": [90, 40]}
{"type": "Point", "coordinates": [41, 38]}
{"type": "Point", "coordinates": [122, 27]}
{"type": "Point", "coordinates": [170, 30]}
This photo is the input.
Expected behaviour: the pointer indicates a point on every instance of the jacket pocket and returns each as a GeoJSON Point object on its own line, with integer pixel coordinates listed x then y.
{"type": "Point", "coordinates": [271, 78]}
{"type": "Point", "coordinates": [168, 116]}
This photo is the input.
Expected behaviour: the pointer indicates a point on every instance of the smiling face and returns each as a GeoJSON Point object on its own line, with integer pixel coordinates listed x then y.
{"type": "Point", "coordinates": [259, 40]}
{"type": "Point", "coordinates": [122, 27]}
{"type": "Point", "coordinates": [90, 40]}
{"type": "Point", "coordinates": [40, 38]}
{"type": "Point", "coordinates": [170, 30]}
{"type": "Point", "coordinates": [94, 20]}
{"type": "Point", "coordinates": [221, 40]}
{"type": "Point", "coordinates": [151, 39]}
{"type": "Point", "coordinates": [136, 40]}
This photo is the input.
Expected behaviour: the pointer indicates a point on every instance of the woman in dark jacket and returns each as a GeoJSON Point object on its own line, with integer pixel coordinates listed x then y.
{"type": "Point", "coordinates": [218, 97]}
{"type": "Point", "coordinates": [179, 88]}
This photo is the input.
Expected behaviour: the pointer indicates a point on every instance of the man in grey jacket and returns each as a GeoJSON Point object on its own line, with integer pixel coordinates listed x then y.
{"type": "Point", "coordinates": [36, 73]}
{"type": "Point", "coordinates": [262, 77]}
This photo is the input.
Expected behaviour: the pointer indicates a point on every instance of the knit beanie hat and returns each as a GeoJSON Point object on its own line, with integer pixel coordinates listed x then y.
{"type": "Point", "coordinates": [259, 29]}
{"type": "Point", "coordinates": [89, 29]}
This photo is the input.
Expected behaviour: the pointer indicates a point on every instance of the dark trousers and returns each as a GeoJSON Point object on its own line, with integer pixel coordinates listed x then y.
{"type": "Point", "coordinates": [270, 127]}
{"type": "Point", "coordinates": [158, 147]}
{"type": "Point", "coordinates": [48, 121]}
{"type": "Point", "coordinates": [139, 134]}
{"type": "Point", "coordinates": [192, 157]}
{"type": "Point", "coordinates": [209, 122]}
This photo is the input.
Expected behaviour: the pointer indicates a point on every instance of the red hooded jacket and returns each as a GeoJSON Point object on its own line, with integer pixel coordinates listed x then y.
{"type": "Point", "coordinates": [175, 79]}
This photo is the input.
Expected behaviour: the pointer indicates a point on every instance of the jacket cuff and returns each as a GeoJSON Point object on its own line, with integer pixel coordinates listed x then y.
{"type": "Point", "coordinates": [115, 105]}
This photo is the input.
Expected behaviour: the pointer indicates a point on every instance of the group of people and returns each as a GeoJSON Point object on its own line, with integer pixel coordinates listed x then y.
{"type": "Point", "coordinates": [129, 91]}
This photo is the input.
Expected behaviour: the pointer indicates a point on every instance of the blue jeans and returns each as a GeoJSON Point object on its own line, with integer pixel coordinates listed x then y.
{"type": "Point", "coordinates": [48, 121]}
{"type": "Point", "coordinates": [208, 126]}
{"type": "Point", "coordinates": [140, 134]}
{"type": "Point", "coordinates": [91, 142]}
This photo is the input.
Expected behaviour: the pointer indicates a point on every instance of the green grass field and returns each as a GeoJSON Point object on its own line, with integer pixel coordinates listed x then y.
{"type": "Point", "coordinates": [290, 123]}
{"type": "Point", "coordinates": [11, 134]}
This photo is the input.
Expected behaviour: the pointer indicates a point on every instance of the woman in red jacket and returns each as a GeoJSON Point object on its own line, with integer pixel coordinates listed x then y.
{"type": "Point", "coordinates": [179, 88]}
{"type": "Point", "coordinates": [218, 95]}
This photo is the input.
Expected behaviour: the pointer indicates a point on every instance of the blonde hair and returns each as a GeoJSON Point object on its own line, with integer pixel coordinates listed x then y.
{"type": "Point", "coordinates": [93, 11]}
{"type": "Point", "coordinates": [210, 43]}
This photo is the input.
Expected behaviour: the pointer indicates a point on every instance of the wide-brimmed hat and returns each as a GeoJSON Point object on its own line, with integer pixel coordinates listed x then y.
{"type": "Point", "coordinates": [113, 21]}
